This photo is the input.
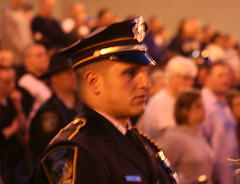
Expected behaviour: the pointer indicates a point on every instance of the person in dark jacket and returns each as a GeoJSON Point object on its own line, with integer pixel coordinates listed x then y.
{"type": "Point", "coordinates": [12, 121]}
{"type": "Point", "coordinates": [100, 145]}
{"type": "Point", "coordinates": [59, 110]}
{"type": "Point", "coordinates": [46, 30]}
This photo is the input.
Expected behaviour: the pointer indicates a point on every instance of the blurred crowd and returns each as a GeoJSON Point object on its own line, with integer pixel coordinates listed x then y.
{"type": "Point", "coordinates": [193, 107]}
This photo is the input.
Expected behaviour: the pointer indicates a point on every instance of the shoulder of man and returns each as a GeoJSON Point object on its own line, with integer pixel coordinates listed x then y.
{"type": "Point", "coordinates": [60, 160]}
{"type": "Point", "coordinates": [50, 116]}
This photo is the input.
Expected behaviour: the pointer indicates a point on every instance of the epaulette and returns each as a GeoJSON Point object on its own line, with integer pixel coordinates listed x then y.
{"type": "Point", "coordinates": [81, 121]}
{"type": "Point", "coordinates": [148, 139]}
{"type": "Point", "coordinates": [160, 155]}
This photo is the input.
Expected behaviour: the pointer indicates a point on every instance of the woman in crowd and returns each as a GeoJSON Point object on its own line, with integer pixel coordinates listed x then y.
{"type": "Point", "coordinates": [184, 145]}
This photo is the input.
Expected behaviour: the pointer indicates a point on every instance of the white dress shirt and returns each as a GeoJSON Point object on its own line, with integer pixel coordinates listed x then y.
{"type": "Point", "coordinates": [220, 129]}
{"type": "Point", "coordinates": [158, 115]}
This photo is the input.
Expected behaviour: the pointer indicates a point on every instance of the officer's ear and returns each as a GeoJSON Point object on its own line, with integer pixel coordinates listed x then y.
{"type": "Point", "coordinates": [92, 79]}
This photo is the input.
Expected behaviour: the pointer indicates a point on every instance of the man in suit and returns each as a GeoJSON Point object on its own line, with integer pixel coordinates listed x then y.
{"type": "Point", "coordinates": [100, 145]}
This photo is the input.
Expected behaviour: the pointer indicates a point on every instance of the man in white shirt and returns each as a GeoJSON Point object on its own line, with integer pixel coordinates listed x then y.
{"type": "Point", "coordinates": [16, 30]}
{"type": "Point", "coordinates": [36, 63]}
{"type": "Point", "coordinates": [219, 124]}
{"type": "Point", "coordinates": [158, 117]}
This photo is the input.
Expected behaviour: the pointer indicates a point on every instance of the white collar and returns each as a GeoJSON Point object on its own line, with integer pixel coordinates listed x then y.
{"type": "Point", "coordinates": [115, 122]}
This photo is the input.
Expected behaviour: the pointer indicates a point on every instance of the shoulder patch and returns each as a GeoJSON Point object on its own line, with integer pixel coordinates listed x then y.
{"type": "Point", "coordinates": [49, 121]}
{"type": "Point", "coordinates": [60, 164]}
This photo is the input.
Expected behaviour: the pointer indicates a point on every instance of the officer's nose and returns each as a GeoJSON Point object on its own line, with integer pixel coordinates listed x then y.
{"type": "Point", "coordinates": [144, 81]}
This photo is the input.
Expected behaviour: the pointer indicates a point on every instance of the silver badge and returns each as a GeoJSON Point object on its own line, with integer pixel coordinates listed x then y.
{"type": "Point", "coordinates": [139, 29]}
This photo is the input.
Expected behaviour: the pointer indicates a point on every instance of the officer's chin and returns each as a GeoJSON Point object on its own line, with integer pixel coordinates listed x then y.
{"type": "Point", "coordinates": [140, 110]}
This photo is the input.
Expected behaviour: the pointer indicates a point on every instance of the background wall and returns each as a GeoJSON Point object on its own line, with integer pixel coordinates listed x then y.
{"type": "Point", "coordinates": [222, 14]}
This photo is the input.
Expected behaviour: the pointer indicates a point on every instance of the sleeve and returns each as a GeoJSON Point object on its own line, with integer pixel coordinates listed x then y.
{"type": "Point", "coordinates": [70, 164]}
{"type": "Point", "coordinates": [90, 169]}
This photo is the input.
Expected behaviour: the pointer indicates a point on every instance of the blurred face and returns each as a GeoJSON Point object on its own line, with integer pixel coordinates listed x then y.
{"type": "Point", "coordinates": [219, 80]}
{"type": "Point", "coordinates": [187, 28]}
{"type": "Point", "coordinates": [201, 77]}
{"type": "Point", "coordinates": [124, 90]}
{"type": "Point", "coordinates": [6, 58]}
{"type": "Point", "coordinates": [7, 82]}
{"type": "Point", "coordinates": [154, 25]}
{"type": "Point", "coordinates": [17, 3]}
{"type": "Point", "coordinates": [196, 113]}
{"type": "Point", "coordinates": [47, 7]}
{"type": "Point", "coordinates": [78, 13]}
{"type": "Point", "coordinates": [181, 83]}
{"type": "Point", "coordinates": [106, 19]}
{"type": "Point", "coordinates": [236, 107]}
{"type": "Point", "coordinates": [38, 60]}
{"type": "Point", "coordinates": [65, 81]}
{"type": "Point", "coordinates": [165, 33]}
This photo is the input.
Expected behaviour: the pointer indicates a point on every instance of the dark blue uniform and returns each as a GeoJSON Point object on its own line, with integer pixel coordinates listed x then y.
{"type": "Point", "coordinates": [91, 150]}
{"type": "Point", "coordinates": [11, 150]}
{"type": "Point", "coordinates": [50, 118]}
{"type": "Point", "coordinates": [51, 32]}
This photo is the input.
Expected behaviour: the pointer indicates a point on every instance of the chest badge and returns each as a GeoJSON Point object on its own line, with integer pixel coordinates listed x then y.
{"type": "Point", "coordinates": [133, 178]}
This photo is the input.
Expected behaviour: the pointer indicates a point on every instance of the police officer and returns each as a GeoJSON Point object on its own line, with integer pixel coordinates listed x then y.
{"type": "Point", "coordinates": [101, 146]}
{"type": "Point", "coordinates": [59, 110]}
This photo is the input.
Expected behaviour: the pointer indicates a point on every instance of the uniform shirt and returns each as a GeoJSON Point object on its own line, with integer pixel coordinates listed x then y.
{"type": "Point", "coordinates": [220, 129]}
{"type": "Point", "coordinates": [115, 123]}
{"type": "Point", "coordinates": [91, 150]}
{"type": "Point", "coordinates": [49, 120]}
{"type": "Point", "coordinates": [158, 115]}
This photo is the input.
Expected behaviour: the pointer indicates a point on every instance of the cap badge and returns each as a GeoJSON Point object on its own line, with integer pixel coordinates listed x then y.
{"type": "Point", "coordinates": [139, 29]}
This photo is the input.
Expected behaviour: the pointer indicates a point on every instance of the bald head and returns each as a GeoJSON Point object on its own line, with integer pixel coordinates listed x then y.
{"type": "Point", "coordinates": [46, 8]}
{"type": "Point", "coordinates": [16, 4]}
{"type": "Point", "coordinates": [36, 60]}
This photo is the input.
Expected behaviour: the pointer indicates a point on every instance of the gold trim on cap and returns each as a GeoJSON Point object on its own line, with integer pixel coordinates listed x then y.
{"type": "Point", "coordinates": [111, 50]}
{"type": "Point", "coordinates": [105, 42]}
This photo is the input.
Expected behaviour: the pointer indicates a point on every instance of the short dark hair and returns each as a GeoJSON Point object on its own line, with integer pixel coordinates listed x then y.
{"type": "Point", "coordinates": [185, 101]}
{"type": "Point", "coordinates": [101, 67]}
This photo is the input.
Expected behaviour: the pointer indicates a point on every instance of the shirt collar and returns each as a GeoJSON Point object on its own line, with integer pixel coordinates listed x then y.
{"type": "Point", "coordinates": [212, 98]}
{"type": "Point", "coordinates": [115, 122]}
